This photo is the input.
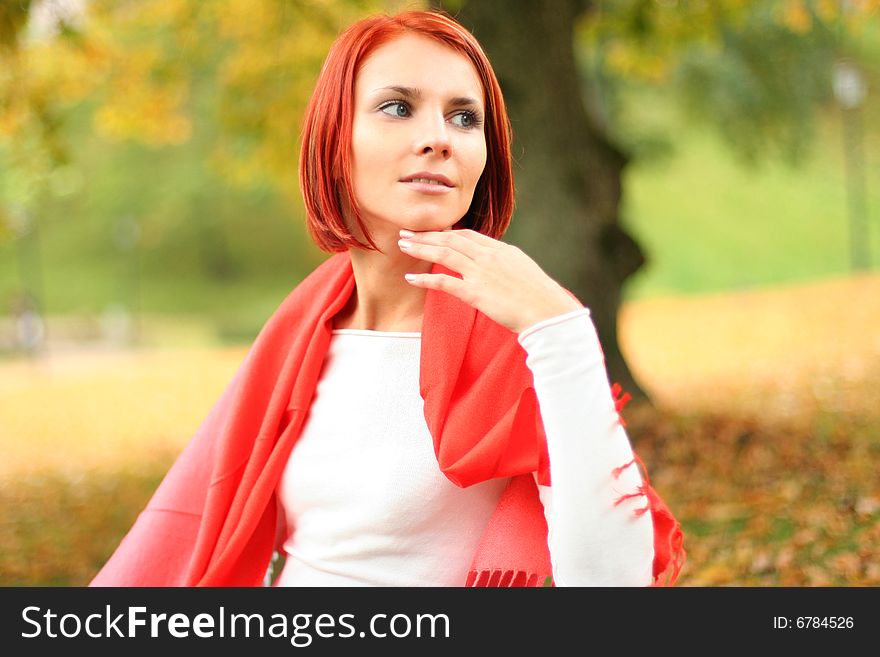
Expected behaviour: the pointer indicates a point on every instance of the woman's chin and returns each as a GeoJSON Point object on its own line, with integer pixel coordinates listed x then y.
{"type": "Point", "coordinates": [418, 222]}
{"type": "Point", "coordinates": [433, 223]}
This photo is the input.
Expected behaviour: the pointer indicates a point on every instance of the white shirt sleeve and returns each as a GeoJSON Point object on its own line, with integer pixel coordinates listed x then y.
{"type": "Point", "coordinates": [592, 542]}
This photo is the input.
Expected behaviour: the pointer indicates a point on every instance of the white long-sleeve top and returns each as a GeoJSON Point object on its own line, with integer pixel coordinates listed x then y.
{"type": "Point", "coordinates": [365, 503]}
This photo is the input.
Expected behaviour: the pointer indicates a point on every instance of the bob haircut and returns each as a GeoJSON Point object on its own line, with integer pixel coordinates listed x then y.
{"type": "Point", "coordinates": [325, 156]}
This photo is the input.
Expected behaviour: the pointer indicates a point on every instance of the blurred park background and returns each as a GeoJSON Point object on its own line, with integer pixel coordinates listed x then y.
{"type": "Point", "coordinates": [714, 200]}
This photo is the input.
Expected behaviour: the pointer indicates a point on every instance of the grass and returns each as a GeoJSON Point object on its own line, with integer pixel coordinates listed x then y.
{"type": "Point", "coordinates": [764, 438]}
{"type": "Point", "coordinates": [710, 223]}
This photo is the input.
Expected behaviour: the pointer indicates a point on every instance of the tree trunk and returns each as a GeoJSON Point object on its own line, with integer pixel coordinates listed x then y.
{"type": "Point", "coordinates": [568, 174]}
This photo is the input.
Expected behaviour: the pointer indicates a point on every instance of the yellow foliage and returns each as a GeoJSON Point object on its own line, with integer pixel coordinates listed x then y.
{"type": "Point", "coordinates": [138, 61]}
{"type": "Point", "coordinates": [796, 16]}
{"type": "Point", "coordinates": [12, 121]}
{"type": "Point", "coordinates": [264, 54]}
{"type": "Point", "coordinates": [865, 7]}
{"type": "Point", "coordinates": [632, 62]}
{"type": "Point", "coordinates": [827, 10]}
{"type": "Point", "coordinates": [245, 20]}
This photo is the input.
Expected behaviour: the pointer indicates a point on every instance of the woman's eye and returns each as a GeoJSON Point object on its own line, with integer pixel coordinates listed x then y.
{"type": "Point", "coordinates": [395, 108]}
{"type": "Point", "coordinates": [466, 120]}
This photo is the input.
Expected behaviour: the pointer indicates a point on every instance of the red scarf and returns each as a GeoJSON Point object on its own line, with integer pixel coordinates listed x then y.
{"type": "Point", "coordinates": [212, 521]}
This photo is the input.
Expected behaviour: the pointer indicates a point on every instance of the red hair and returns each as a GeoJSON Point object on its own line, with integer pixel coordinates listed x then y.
{"type": "Point", "coordinates": [325, 163]}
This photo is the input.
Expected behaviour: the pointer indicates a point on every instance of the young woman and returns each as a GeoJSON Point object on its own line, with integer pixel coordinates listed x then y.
{"type": "Point", "coordinates": [398, 419]}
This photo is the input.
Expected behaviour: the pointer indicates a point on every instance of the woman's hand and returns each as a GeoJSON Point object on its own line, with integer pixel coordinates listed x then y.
{"type": "Point", "coordinates": [498, 279]}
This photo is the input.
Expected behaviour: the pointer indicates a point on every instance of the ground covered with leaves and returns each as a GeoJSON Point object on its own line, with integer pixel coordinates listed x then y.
{"type": "Point", "coordinates": [763, 438]}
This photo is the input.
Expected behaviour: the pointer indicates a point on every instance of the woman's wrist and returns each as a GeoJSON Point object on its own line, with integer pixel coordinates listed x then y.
{"type": "Point", "coordinates": [551, 310]}
{"type": "Point", "coordinates": [552, 319]}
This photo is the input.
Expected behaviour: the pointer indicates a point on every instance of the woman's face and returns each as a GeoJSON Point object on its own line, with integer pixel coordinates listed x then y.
{"type": "Point", "coordinates": [418, 142]}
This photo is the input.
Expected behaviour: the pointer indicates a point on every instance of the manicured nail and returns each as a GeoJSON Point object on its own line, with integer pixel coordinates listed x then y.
{"type": "Point", "coordinates": [404, 244]}
{"type": "Point", "coordinates": [410, 277]}
{"type": "Point", "coordinates": [407, 234]}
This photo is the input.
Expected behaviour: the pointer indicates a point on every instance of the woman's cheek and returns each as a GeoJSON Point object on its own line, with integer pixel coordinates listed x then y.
{"type": "Point", "coordinates": [474, 175]}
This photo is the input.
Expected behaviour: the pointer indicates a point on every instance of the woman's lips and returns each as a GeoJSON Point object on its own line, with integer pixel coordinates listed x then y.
{"type": "Point", "coordinates": [426, 187]}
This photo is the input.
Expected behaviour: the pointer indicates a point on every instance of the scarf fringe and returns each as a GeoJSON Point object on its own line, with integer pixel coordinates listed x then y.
{"type": "Point", "coordinates": [669, 552]}
{"type": "Point", "coordinates": [639, 492]}
{"type": "Point", "coordinates": [616, 471]}
{"type": "Point", "coordinates": [620, 401]}
{"type": "Point", "coordinates": [504, 579]}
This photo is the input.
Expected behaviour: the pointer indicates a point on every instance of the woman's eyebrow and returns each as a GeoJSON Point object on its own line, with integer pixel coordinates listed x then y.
{"type": "Point", "coordinates": [415, 93]}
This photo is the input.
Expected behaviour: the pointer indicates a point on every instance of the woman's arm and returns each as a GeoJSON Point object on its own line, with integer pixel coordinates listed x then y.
{"type": "Point", "coordinates": [592, 542]}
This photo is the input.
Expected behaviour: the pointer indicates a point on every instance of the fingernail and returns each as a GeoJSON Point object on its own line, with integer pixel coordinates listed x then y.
{"type": "Point", "coordinates": [410, 277]}
{"type": "Point", "coordinates": [404, 244]}
{"type": "Point", "coordinates": [407, 234]}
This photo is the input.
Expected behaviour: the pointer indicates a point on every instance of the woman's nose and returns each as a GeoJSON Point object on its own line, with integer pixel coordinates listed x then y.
{"type": "Point", "coordinates": [433, 137]}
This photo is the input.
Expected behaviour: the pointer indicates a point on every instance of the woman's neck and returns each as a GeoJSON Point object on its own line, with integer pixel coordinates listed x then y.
{"type": "Point", "coordinates": [382, 300]}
